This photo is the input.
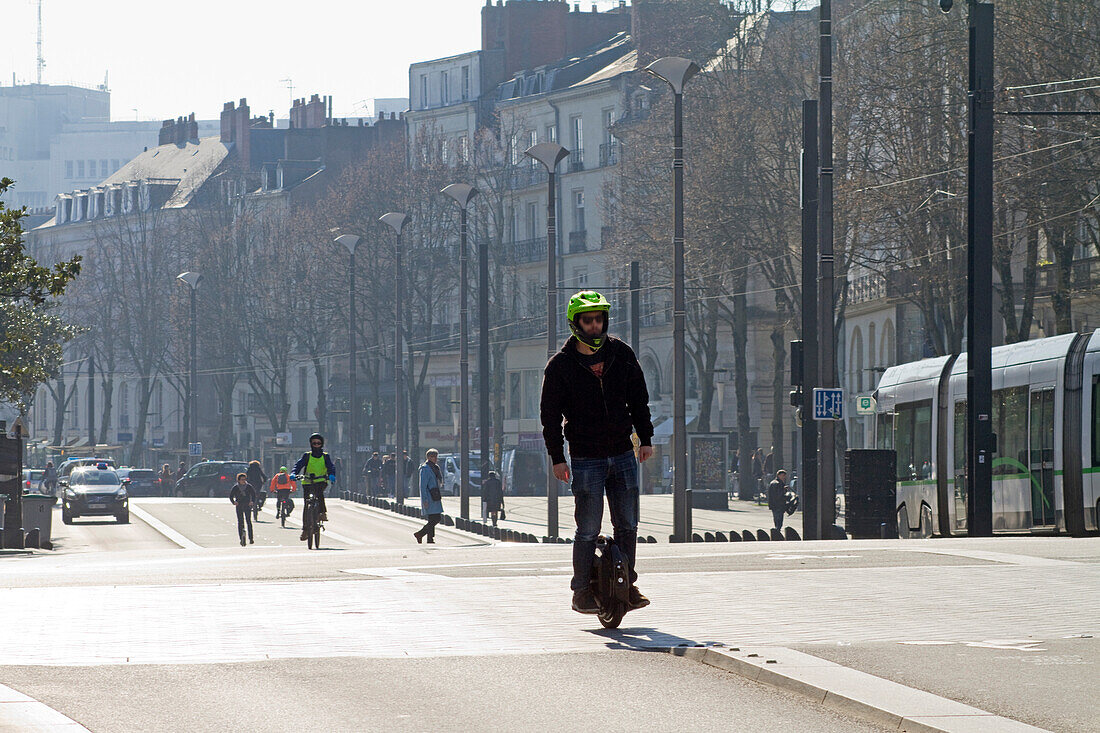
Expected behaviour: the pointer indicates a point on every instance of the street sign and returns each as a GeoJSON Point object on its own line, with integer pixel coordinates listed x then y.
{"type": "Point", "coordinates": [158, 442]}
{"type": "Point", "coordinates": [865, 405]}
{"type": "Point", "coordinates": [194, 449]}
{"type": "Point", "coordinates": [828, 404]}
{"type": "Point", "coordinates": [284, 438]}
{"type": "Point", "coordinates": [125, 437]}
{"type": "Point", "coordinates": [363, 449]}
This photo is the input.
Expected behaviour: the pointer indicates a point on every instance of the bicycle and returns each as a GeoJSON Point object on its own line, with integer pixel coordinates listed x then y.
{"type": "Point", "coordinates": [283, 509]}
{"type": "Point", "coordinates": [311, 514]}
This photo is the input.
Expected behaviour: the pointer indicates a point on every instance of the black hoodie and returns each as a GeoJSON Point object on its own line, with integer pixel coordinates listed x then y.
{"type": "Point", "coordinates": [599, 412]}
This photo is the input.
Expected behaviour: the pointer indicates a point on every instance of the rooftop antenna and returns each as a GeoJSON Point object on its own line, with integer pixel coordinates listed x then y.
{"type": "Point", "coordinates": [41, 60]}
{"type": "Point", "coordinates": [289, 85]}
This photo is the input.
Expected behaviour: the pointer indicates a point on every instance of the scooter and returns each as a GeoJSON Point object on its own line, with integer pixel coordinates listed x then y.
{"type": "Point", "coordinates": [610, 582]}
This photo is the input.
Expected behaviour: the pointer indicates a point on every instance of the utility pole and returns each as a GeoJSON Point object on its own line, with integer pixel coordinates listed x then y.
{"type": "Point", "coordinates": [91, 402]}
{"type": "Point", "coordinates": [483, 357]}
{"type": "Point", "coordinates": [636, 335]}
{"type": "Point", "coordinates": [826, 506]}
{"type": "Point", "coordinates": [808, 479]}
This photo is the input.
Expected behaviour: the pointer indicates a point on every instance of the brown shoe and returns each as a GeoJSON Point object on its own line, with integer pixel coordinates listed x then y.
{"type": "Point", "coordinates": [419, 538]}
{"type": "Point", "coordinates": [636, 600]}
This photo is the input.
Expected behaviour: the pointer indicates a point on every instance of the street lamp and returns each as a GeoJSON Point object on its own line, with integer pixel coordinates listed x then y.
{"type": "Point", "coordinates": [550, 154]}
{"type": "Point", "coordinates": [979, 263]}
{"type": "Point", "coordinates": [676, 72]}
{"type": "Point", "coordinates": [350, 242]}
{"type": "Point", "coordinates": [192, 280]}
{"type": "Point", "coordinates": [463, 193]}
{"type": "Point", "coordinates": [396, 221]}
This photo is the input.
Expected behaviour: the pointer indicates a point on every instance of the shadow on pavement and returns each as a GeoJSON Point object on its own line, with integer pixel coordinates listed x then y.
{"type": "Point", "coordinates": [641, 639]}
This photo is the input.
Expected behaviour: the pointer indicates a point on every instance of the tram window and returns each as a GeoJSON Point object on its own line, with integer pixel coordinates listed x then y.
{"type": "Point", "coordinates": [1010, 425]}
{"type": "Point", "coordinates": [1096, 421]}
{"type": "Point", "coordinates": [884, 439]}
{"type": "Point", "coordinates": [960, 437]}
{"type": "Point", "coordinates": [913, 440]}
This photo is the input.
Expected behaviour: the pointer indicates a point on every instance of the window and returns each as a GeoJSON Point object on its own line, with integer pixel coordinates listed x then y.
{"type": "Point", "coordinates": [91, 169]}
{"type": "Point", "coordinates": [551, 133]}
{"type": "Point", "coordinates": [443, 405]}
{"type": "Point", "coordinates": [1010, 427]}
{"type": "Point", "coordinates": [68, 169]}
{"type": "Point", "coordinates": [511, 219]}
{"type": "Point", "coordinates": [884, 433]}
{"type": "Point", "coordinates": [535, 297]}
{"type": "Point", "coordinates": [445, 151]}
{"type": "Point", "coordinates": [444, 83]}
{"type": "Point", "coordinates": [103, 172]}
{"type": "Point", "coordinates": [115, 164]}
{"type": "Point", "coordinates": [576, 124]}
{"type": "Point", "coordinates": [531, 393]}
{"type": "Point", "coordinates": [464, 150]}
{"type": "Point", "coordinates": [513, 149]}
{"type": "Point", "coordinates": [578, 210]}
{"type": "Point", "coordinates": [515, 394]}
{"type": "Point", "coordinates": [608, 121]}
{"type": "Point", "coordinates": [532, 220]}
{"type": "Point", "coordinates": [960, 440]}
{"type": "Point", "coordinates": [423, 91]}
{"type": "Point", "coordinates": [913, 440]}
{"type": "Point", "coordinates": [80, 169]}
{"type": "Point", "coordinates": [1096, 421]}
{"type": "Point", "coordinates": [532, 140]}
{"type": "Point", "coordinates": [465, 83]}
{"type": "Point", "coordinates": [580, 277]}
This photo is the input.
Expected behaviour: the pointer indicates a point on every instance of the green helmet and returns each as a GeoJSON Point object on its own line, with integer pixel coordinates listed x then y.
{"type": "Point", "coordinates": [588, 301]}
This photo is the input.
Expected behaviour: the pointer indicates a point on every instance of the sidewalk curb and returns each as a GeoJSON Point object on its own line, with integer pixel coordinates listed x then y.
{"type": "Point", "coordinates": [20, 712]}
{"type": "Point", "coordinates": [850, 691]}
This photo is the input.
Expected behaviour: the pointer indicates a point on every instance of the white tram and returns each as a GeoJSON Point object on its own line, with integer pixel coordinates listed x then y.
{"type": "Point", "coordinates": [1046, 418]}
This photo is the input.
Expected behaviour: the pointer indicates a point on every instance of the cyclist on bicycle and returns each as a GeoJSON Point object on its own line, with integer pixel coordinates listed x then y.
{"type": "Point", "coordinates": [316, 470]}
{"type": "Point", "coordinates": [282, 486]}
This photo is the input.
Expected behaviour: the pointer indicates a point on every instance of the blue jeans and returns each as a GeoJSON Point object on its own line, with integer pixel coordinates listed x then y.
{"type": "Point", "coordinates": [592, 477]}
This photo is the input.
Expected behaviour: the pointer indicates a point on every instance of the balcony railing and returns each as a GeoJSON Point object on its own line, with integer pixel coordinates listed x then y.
{"type": "Point", "coordinates": [867, 288]}
{"type": "Point", "coordinates": [528, 250]}
{"type": "Point", "coordinates": [524, 176]}
{"type": "Point", "coordinates": [578, 242]}
{"type": "Point", "coordinates": [576, 161]}
{"type": "Point", "coordinates": [609, 153]}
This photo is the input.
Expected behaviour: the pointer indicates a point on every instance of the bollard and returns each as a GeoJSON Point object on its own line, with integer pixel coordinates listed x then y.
{"type": "Point", "coordinates": [696, 537]}
{"type": "Point", "coordinates": [791, 534]}
{"type": "Point", "coordinates": [762, 536]}
{"type": "Point", "coordinates": [884, 531]}
{"type": "Point", "coordinates": [748, 536]}
{"type": "Point", "coordinates": [34, 538]}
{"type": "Point", "coordinates": [777, 535]}
{"type": "Point", "coordinates": [652, 540]}
{"type": "Point", "coordinates": [720, 537]}
{"type": "Point", "coordinates": [735, 536]}
{"type": "Point", "coordinates": [839, 533]}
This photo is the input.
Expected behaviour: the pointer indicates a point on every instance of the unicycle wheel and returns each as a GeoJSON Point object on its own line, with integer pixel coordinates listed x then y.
{"type": "Point", "coordinates": [611, 617]}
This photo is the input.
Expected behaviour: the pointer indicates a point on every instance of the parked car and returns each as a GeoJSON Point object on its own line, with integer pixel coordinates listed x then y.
{"type": "Point", "coordinates": [32, 480]}
{"type": "Point", "coordinates": [95, 491]}
{"type": "Point", "coordinates": [210, 478]}
{"type": "Point", "coordinates": [143, 481]}
{"type": "Point", "coordinates": [452, 477]}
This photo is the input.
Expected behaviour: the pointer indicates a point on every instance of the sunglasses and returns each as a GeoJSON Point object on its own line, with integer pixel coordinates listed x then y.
{"type": "Point", "coordinates": [587, 318]}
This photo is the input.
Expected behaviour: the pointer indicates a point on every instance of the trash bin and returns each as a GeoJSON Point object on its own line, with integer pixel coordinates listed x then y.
{"type": "Point", "coordinates": [38, 514]}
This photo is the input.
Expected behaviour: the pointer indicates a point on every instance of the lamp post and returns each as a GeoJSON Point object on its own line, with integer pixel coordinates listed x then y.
{"type": "Point", "coordinates": [396, 221]}
{"type": "Point", "coordinates": [463, 193]}
{"type": "Point", "coordinates": [676, 72]}
{"type": "Point", "coordinates": [350, 242]}
{"type": "Point", "coordinates": [550, 154]}
{"type": "Point", "coordinates": [192, 280]}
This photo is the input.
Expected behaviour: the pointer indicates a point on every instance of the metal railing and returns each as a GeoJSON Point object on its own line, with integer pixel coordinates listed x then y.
{"type": "Point", "coordinates": [609, 153]}
{"type": "Point", "coordinates": [576, 161]}
{"type": "Point", "coordinates": [578, 242]}
{"type": "Point", "coordinates": [528, 250]}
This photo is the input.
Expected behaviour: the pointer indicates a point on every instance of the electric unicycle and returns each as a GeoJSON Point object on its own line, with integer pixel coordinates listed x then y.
{"type": "Point", "coordinates": [610, 582]}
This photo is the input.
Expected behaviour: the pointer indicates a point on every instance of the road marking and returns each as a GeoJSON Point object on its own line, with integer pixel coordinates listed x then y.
{"type": "Point", "coordinates": [324, 533]}
{"type": "Point", "coordinates": [1000, 557]}
{"type": "Point", "coordinates": [163, 528]}
{"type": "Point", "coordinates": [20, 712]}
{"type": "Point", "coordinates": [405, 522]}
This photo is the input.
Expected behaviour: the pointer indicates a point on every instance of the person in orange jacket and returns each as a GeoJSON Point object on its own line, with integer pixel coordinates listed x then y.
{"type": "Point", "coordinates": [282, 486]}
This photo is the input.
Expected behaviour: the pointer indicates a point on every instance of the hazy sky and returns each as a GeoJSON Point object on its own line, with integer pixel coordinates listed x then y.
{"type": "Point", "coordinates": [168, 58]}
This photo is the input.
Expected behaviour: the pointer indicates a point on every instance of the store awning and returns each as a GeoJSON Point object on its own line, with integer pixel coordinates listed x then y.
{"type": "Point", "coordinates": [662, 431]}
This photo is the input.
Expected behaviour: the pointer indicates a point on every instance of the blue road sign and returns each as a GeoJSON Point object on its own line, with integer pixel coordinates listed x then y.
{"type": "Point", "coordinates": [828, 404]}
{"type": "Point", "coordinates": [194, 449]}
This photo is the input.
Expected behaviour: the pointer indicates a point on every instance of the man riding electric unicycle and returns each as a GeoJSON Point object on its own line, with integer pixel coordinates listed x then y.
{"type": "Point", "coordinates": [595, 390]}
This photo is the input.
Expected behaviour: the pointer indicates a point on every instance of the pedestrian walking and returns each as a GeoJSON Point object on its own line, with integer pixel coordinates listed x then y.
{"type": "Point", "coordinates": [166, 481]}
{"type": "Point", "coordinates": [388, 475]}
{"type": "Point", "coordinates": [431, 496]}
{"type": "Point", "coordinates": [373, 473]}
{"type": "Point", "coordinates": [492, 494]}
{"type": "Point", "coordinates": [777, 497]}
{"type": "Point", "coordinates": [243, 497]}
{"type": "Point", "coordinates": [181, 470]}
{"type": "Point", "coordinates": [49, 479]}
{"type": "Point", "coordinates": [258, 479]}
